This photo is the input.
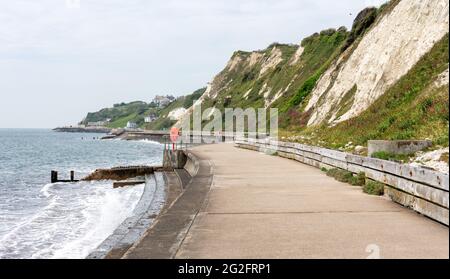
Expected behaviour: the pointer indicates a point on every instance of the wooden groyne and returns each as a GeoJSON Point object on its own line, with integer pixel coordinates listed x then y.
{"type": "Point", "coordinates": [54, 177]}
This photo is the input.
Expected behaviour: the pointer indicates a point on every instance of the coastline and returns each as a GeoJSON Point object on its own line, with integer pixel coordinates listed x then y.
{"type": "Point", "coordinates": [152, 201]}
{"type": "Point", "coordinates": [165, 237]}
{"type": "Point", "coordinates": [64, 220]}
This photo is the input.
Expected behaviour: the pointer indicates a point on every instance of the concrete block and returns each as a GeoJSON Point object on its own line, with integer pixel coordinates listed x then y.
{"type": "Point", "coordinates": [397, 146]}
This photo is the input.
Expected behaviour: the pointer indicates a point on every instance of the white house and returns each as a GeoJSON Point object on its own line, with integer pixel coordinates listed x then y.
{"type": "Point", "coordinates": [96, 124]}
{"type": "Point", "coordinates": [131, 125]}
{"type": "Point", "coordinates": [163, 101]}
{"type": "Point", "coordinates": [150, 118]}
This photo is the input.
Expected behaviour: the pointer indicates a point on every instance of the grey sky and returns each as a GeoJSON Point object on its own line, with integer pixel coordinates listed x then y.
{"type": "Point", "coordinates": [59, 61]}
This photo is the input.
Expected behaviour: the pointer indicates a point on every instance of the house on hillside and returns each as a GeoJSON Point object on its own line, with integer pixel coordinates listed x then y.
{"type": "Point", "coordinates": [163, 101]}
{"type": "Point", "coordinates": [97, 124]}
{"type": "Point", "coordinates": [131, 125]}
{"type": "Point", "coordinates": [150, 118]}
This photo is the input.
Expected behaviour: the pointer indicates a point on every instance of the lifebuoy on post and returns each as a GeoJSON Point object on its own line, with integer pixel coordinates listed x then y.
{"type": "Point", "coordinates": [174, 133]}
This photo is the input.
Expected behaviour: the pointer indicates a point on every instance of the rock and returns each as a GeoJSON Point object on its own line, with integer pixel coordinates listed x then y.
{"type": "Point", "coordinates": [360, 149]}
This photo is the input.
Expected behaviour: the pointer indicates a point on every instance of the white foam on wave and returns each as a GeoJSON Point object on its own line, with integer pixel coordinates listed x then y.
{"type": "Point", "coordinates": [150, 141]}
{"type": "Point", "coordinates": [75, 220]}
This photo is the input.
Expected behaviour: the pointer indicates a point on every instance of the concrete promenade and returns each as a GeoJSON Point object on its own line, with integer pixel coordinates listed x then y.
{"type": "Point", "coordinates": [262, 206]}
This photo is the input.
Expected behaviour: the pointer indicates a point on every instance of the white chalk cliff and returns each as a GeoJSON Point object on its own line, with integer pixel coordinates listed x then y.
{"type": "Point", "coordinates": [386, 53]}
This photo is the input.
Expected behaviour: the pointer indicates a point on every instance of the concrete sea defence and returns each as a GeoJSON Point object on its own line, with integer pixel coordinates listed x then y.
{"type": "Point", "coordinates": [164, 238]}
{"type": "Point", "coordinates": [132, 228]}
{"type": "Point", "coordinates": [120, 173]}
{"type": "Point", "coordinates": [261, 206]}
{"type": "Point", "coordinates": [226, 202]}
{"type": "Point", "coordinates": [152, 201]}
{"type": "Point", "coordinates": [97, 130]}
{"type": "Point", "coordinates": [425, 191]}
{"type": "Point", "coordinates": [167, 206]}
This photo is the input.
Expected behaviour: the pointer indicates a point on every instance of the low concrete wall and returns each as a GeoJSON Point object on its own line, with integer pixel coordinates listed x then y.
{"type": "Point", "coordinates": [192, 164]}
{"type": "Point", "coordinates": [135, 226]}
{"type": "Point", "coordinates": [425, 191]}
{"type": "Point", "coordinates": [174, 159]}
{"type": "Point", "coordinates": [397, 146]}
{"type": "Point", "coordinates": [163, 240]}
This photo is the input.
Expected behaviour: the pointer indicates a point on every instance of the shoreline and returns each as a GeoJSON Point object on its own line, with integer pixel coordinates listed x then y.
{"type": "Point", "coordinates": [149, 206]}
{"type": "Point", "coordinates": [165, 237]}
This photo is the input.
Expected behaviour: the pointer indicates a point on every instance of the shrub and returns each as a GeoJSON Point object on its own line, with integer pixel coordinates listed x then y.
{"type": "Point", "coordinates": [304, 90]}
{"type": "Point", "coordinates": [347, 177]}
{"type": "Point", "coordinates": [374, 188]}
{"type": "Point", "coordinates": [362, 22]}
{"type": "Point", "coordinates": [359, 179]}
{"type": "Point", "coordinates": [426, 104]}
{"type": "Point", "coordinates": [383, 155]}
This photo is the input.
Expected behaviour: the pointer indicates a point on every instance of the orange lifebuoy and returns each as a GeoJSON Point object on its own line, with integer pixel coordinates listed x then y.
{"type": "Point", "coordinates": [174, 133]}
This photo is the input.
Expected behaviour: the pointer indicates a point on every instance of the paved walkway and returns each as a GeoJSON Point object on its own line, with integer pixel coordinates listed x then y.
{"type": "Point", "coordinates": [262, 206]}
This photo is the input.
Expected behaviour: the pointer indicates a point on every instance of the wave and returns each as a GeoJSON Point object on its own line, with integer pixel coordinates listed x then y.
{"type": "Point", "coordinates": [150, 142]}
{"type": "Point", "coordinates": [75, 220]}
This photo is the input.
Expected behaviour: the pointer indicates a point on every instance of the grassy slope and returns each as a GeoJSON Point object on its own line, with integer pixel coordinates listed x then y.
{"type": "Point", "coordinates": [318, 50]}
{"type": "Point", "coordinates": [120, 114]}
{"type": "Point", "coordinates": [295, 80]}
{"type": "Point", "coordinates": [163, 122]}
{"type": "Point", "coordinates": [411, 109]}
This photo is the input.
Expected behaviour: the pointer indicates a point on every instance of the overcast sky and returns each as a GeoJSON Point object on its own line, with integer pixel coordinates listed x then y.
{"type": "Point", "coordinates": [60, 59]}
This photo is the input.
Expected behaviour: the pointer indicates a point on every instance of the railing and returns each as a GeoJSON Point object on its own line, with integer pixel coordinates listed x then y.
{"type": "Point", "coordinates": [193, 138]}
{"type": "Point", "coordinates": [425, 191]}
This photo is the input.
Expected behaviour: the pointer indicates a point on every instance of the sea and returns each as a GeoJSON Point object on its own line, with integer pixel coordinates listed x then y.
{"type": "Point", "coordinates": [39, 219]}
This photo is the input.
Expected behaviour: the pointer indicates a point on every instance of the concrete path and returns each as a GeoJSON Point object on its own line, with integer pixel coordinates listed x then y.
{"type": "Point", "coordinates": [263, 206]}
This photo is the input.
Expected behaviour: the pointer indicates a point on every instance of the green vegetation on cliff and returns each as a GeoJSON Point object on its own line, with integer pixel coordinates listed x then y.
{"type": "Point", "coordinates": [120, 114]}
{"type": "Point", "coordinates": [413, 108]}
{"type": "Point", "coordinates": [164, 122]}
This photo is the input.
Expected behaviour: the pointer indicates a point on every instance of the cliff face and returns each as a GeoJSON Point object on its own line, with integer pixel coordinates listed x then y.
{"type": "Point", "coordinates": [270, 77]}
{"type": "Point", "coordinates": [385, 54]}
{"type": "Point", "coordinates": [339, 76]}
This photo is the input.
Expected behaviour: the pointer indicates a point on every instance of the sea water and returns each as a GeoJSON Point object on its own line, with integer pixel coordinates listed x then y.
{"type": "Point", "coordinates": [63, 220]}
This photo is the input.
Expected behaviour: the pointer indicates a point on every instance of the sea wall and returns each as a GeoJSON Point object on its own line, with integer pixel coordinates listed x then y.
{"type": "Point", "coordinates": [163, 240]}
{"type": "Point", "coordinates": [97, 130]}
{"type": "Point", "coordinates": [134, 227]}
{"type": "Point", "coordinates": [423, 190]}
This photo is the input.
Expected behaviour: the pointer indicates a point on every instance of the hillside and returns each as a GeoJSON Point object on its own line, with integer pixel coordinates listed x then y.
{"type": "Point", "coordinates": [386, 78]}
{"type": "Point", "coordinates": [136, 112]}
{"type": "Point", "coordinates": [168, 116]}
